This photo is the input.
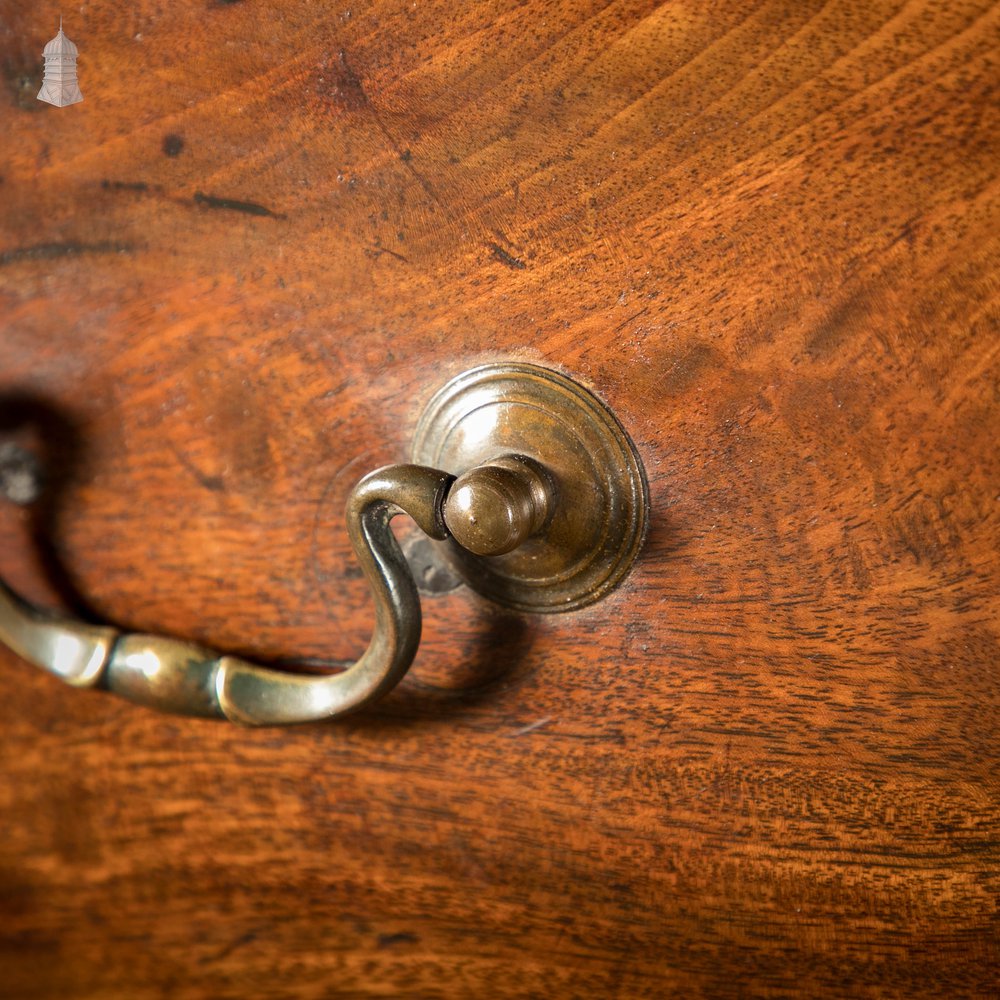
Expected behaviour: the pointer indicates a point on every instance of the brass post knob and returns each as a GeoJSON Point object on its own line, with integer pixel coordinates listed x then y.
{"type": "Point", "coordinates": [494, 508]}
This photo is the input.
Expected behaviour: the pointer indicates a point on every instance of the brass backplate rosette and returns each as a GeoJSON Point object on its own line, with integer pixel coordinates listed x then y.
{"type": "Point", "coordinates": [599, 515]}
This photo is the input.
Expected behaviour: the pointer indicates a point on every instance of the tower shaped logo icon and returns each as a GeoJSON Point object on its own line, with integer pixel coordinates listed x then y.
{"type": "Point", "coordinates": [59, 86]}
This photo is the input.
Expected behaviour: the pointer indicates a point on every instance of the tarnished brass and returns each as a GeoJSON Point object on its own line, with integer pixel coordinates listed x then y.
{"type": "Point", "coordinates": [494, 508]}
{"type": "Point", "coordinates": [547, 513]}
{"type": "Point", "coordinates": [176, 676]}
{"type": "Point", "coordinates": [596, 511]}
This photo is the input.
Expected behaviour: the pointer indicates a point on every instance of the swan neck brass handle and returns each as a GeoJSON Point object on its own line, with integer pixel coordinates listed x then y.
{"type": "Point", "coordinates": [546, 514]}
{"type": "Point", "coordinates": [175, 676]}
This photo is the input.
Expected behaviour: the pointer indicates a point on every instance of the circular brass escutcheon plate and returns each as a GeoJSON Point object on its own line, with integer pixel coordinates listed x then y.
{"type": "Point", "coordinates": [600, 510]}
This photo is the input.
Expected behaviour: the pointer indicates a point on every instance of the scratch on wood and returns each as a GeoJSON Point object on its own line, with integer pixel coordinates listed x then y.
{"type": "Point", "coordinates": [214, 484]}
{"type": "Point", "coordinates": [507, 259]}
{"type": "Point", "coordinates": [232, 946]}
{"type": "Point", "coordinates": [625, 322]}
{"type": "Point", "coordinates": [376, 252]}
{"type": "Point", "coordinates": [353, 96]}
{"type": "Point", "coordinates": [532, 726]}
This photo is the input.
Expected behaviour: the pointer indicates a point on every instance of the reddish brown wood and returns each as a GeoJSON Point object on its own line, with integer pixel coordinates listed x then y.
{"type": "Point", "coordinates": [767, 235]}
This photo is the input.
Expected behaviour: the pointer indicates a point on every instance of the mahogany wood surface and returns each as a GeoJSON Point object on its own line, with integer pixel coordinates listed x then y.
{"type": "Point", "coordinates": [768, 235]}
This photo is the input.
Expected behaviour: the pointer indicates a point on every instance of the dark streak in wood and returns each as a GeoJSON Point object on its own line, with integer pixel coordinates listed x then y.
{"type": "Point", "coordinates": [248, 207]}
{"type": "Point", "coordinates": [173, 144]}
{"type": "Point", "coordinates": [395, 940]}
{"type": "Point", "coordinates": [138, 186]}
{"type": "Point", "coordinates": [52, 251]}
{"type": "Point", "coordinates": [505, 258]}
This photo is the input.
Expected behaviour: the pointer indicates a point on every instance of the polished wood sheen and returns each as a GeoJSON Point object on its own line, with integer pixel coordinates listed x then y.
{"type": "Point", "coordinates": [767, 235]}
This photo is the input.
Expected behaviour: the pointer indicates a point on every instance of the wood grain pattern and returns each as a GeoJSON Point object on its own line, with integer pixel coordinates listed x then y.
{"type": "Point", "coordinates": [768, 235]}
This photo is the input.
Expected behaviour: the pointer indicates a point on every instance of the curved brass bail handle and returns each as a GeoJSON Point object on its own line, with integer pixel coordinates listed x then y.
{"type": "Point", "coordinates": [177, 676]}
{"type": "Point", "coordinates": [491, 510]}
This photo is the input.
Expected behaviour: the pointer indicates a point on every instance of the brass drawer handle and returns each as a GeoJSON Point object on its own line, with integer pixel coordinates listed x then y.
{"type": "Point", "coordinates": [546, 514]}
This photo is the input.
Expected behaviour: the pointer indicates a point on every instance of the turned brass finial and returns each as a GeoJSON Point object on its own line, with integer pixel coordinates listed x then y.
{"type": "Point", "coordinates": [493, 508]}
